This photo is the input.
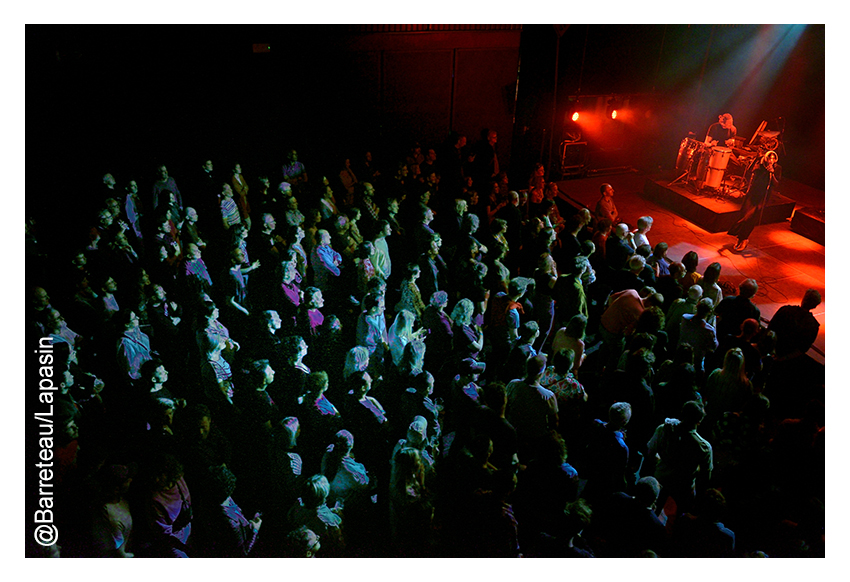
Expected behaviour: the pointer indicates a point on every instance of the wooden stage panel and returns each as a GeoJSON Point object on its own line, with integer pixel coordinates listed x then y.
{"type": "Point", "coordinates": [708, 211]}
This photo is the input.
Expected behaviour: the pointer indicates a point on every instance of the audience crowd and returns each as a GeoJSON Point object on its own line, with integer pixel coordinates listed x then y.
{"type": "Point", "coordinates": [422, 357]}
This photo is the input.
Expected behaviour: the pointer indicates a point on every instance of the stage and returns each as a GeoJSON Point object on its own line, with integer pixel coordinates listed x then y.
{"type": "Point", "coordinates": [710, 209]}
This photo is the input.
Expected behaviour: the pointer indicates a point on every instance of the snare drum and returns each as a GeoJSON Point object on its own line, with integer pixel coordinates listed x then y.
{"type": "Point", "coordinates": [687, 150]}
{"type": "Point", "coordinates": [717, 166]}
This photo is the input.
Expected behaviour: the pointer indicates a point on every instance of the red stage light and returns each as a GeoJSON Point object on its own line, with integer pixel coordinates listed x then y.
{"type": "Point", "coordinates": [614, 114]}
{"type": "Point", "coordinates": [575, 116]}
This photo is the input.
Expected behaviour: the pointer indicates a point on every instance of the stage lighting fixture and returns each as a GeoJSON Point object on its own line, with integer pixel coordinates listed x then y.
{"type": "Point", "coordinates": [574, 110]}
{"type": "Point", "coordinates": [614, 103]}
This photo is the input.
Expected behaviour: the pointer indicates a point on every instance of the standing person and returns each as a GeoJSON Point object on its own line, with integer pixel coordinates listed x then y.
{"type": "Point", "coordinates": [795, 327]}
{"type": "Point", "coordinates": [695, 330]}
{"type": "Point", "coordinates": [605, 207]}
{"type": "Point", "coordinates": [765, 179]}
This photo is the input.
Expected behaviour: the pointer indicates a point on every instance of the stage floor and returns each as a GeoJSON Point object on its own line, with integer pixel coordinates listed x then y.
{"type": "Point", "coordinates": [783, 262]}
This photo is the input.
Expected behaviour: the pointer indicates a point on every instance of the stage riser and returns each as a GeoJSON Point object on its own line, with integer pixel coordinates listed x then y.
{"type": "Point", "coordinates": [697, 209]}
{"type": "Point", "coordinates": [809, 222]}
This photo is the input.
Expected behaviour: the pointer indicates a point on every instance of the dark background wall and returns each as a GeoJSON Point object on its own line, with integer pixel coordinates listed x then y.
{"type": "Point", "coordinates": [122, 98]}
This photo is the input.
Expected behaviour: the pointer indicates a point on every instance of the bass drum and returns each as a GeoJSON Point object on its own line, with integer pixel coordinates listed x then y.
{"type": "Point", "coordinates": [687, 150]}
{"type": "Point", "coordinates": [717, 166]}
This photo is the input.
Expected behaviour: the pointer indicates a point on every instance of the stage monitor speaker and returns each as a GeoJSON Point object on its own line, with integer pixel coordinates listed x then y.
{"type": "Point", "coordinates": [810, 223]}
{"type": "Point", "coordinates": [573, 157]}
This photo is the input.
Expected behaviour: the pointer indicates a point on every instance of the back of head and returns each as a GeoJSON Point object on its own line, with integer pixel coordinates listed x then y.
{"type": "Point", "coordinates": [647, 490]}
{"type": "Point", "coordinates": [692, 413]}
{"type": "Point", "coordinates": [564, 360]}
{"type": "Point", "coordinates": [811, 299]}
{"type": "Point", "coordinates": [315, 491]}
{"type": "Point", "coordinates": [695, 293]}
{"type": "Point", "coordinates": [636, 263]}
{"type": "Point", "coordinates": [576, 326]}
{"type": "Point", "coordinates": [704, 307]}
{"type": "Point", "coordinates": [528, 331]}
{"type": "Point", "coordinates": [749, 328]}
{"type": "Point", "coordinates": [619, 414]}
{"type": "Point", "coordinates": [748, 289]}
{"type": "Point", "coordinates": [677, 269]}
{"type": "Point", "coordinates": [690, 260]}
{"type": "Point", "coordinates": [535, 366]}
{"type": "Point", "coordinates": [495, 395]}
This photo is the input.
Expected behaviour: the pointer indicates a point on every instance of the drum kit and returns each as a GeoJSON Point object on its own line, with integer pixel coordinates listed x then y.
{"type": "Point", "coordinates": [707, 168]}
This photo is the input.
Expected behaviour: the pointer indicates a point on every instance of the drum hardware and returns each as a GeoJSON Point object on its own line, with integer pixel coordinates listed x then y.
{"type": "Point", "coordinates": [689, 151]}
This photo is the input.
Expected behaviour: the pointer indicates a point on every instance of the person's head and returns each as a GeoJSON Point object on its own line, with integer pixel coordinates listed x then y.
{"type": "Point", "coordinates": [564, 361]}
{"type": "Point", "coordinates": [640, 360]}
{"type": "Point", "coordinates": [316, 383]}
{"type": "Point", "coordinates": [226, 191]}
{"type": "Point", "coordinates": [677, 270]}
{"type": "Point", "coordinates": [313, 298]}
{"type": "Point", "coordinates": [619, 415]}
{"type": "Point", "coordinates": [360, 383]}
{"type": "Point", "coordinates": [576, 326]}
{"type": "Point", "coordinates": [694, 293]}
{"type": "Point", "coordinates": [426, 215]}
{"type": "Point", "coordinates": [704, 307]}
{"type": "Point", "coordinates": [128, 319]}
{"type": "Point", "coordinates": [439, 299]}
{"type": "Point", "coordinates": [647, 490]}
{"type": "Point", "coordinates": [417, 432]}
{"type": "Point", "coordinates": [692, 414]}
{"type": "Point", "coordinates": [164, 471]}
{"type": "Point", "coordinates": [535, 366]}
{"type": "Point", "coordinates": [162, 172]}
{"type": "Point", "coordinates": [711, 274]}
{"type": "Point", "coordinates": [811, 299]}
{"type": "Point", "coordinates": [644, 224]}
{"type": "Point", "coordinates": [193, 251]}
{"type": "Point", "coordinates": [733, 363]}
{"type": "Point", "coordinates": [461, 206]}
{"type": "Point", "coordinates": [356, 360]}
{"type": "Point", "coordinates": [258, 374]}
{"type": "Point", "coordinates": [462, 312]}
{"type": "Point", "coordinates": [315, 491]}
{"type": "Point", "coordinates": [690, 261]}
{"type": "Point", "coordinates": [413, 271]}
{"type": "Point", "coordinates": [621, 231]}
{"type": "Point", "coordinates": [528, 332]}
{"type": "Point", "coordinates": [660, 250]}
{"type": "Point", "coordinates": [495, 396]}
{"type": "Point", "coordinates": [748, 288]}
{"type": "Point", "coordinates": [749, 328]}
{"type": "Point", "coordinates": [154, 372]}
{"type": "Point", "coordinates": [651, 320]}
{"type": "Point", "coordinates": [636, 264]}
{"type": "Point", "coordinates": [651, 298]}
{"type": "Point", "coordinates": [324, 237]}
{"type": "Point", "coordinates": [725, 120]}
{"type": "Point", "coordinates": [404, 321]}
{"type": "Point", "coordinates": [470, 224]}
{"type": "Point", "coordinates": [293, 347]}
{"type": "Point", "coordinates": [383, 229]}
{"type": "Point", "coordinates": [517, 287]}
